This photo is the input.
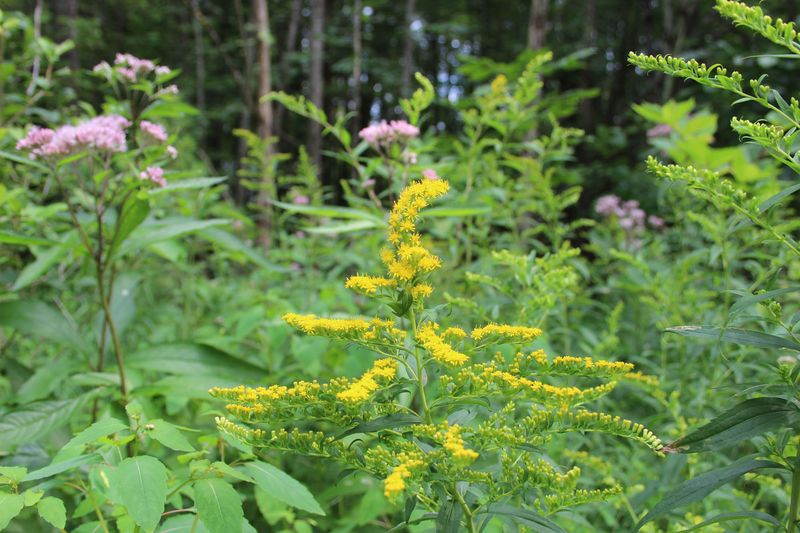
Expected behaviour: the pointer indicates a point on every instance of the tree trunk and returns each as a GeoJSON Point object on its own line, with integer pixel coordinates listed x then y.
{"type": "Point", "coordinates": [66, 15]}
{"type": "Point", "coordinates": [317, 80]}
{"type": "Point", "coordinates": [265, 68]}
{"type": "Point", "coordinates": [199, 57]}
{"type": "Point", "coordinates": [355, 88]}
{"type": "Point", "coordinates": [408, 50]}
{"type": "Point", "coordinates": [291, 47]}
{"type": "Point", "coordinates": [267, 190]}
{"type": "Point", "coordinates": [537, 24]}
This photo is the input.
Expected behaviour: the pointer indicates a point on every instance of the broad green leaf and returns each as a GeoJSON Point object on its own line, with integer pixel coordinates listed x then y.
{"type": "Point", "coordinates": [53, 511]}
{"type": "Point", "coordinates": [10, 507]}
{"type": "Point", "coordinates": [232, 243]}
{"type": "Point", "coordinates": [748, 419]}
{"type": "Point", "coordinates": [141, 483]}
{"type": "Point", "coordinates": [46, 379]}
{"type": "Point", "coordinates": [182, 523]}
{"type": "Point", "coordinates": [384, 422]}
{"type": "Point", "coordinates": [448, 520]}
{"type": "Point", "coordinates": [163, 230]}
{"type": "Point", "coordinates": [134, 213]}
{"type": "Point", "coordinates": [218, 505]}
{"type": "Point", "coordinates": [192, 183]}
{"type": "Point", "coordinates": [14, 473]}
{"type": "Point", "coordinates": [192, 360]}
{"type": "Point", "coordinates": [169, 109]}
{"type": "Point", "coordinates": [736, 336]}
{"type": "Point", "coordinates": [32, 497]}
{"type": "Point", "coordinates": [41, 320]}
{"type": "Point", "coordinates": [345, 227]}
{"type": "Point", "coordinates": [330, 211]}
{"type": "Point", "coordinates": [34, 421]}
{"type": "Point", "coordinates": [746, 301]}
{"type": "Point", "coordinates": [23, 160]}
{"type": "Point", "coordinates": [697, 488]}
{"type": "Point", "coordinates": [44, 261]}
{"type": "Point", "coordinates": [9, 237]}
{"type": "Point", "coordinates": [169, 436]}
{"type": "Point", "coordinates": [63, 466]}
{"type": "Point", "coordinates": [101, 428]}
{"type": "Point", "coordinates": [524, 517]}
{"type": "Point", "coordinates": [465, 211]}
{"type": "Point", "coordinates": [736, 515]}
{"type": "Point", "coordinates": [282, 486]}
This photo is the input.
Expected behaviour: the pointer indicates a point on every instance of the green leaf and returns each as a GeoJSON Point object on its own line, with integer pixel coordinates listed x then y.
{"type": "Point", "coordinates": [230, 242]}
{"type": "Point", "coordinates": [163, 230]}
{"type": "Point", "coordinates": [169, 436]}
{"type": "Point", "coordinates": [746, 420]}
{"type": "Point", "coordinates": [192, 183]}
{"type": "Point", "coordinates": [10, 506]}
{"type": "Point", "coordinates": [23, 160]}
{"type": "Point", "coordinates": [331, 212]}
{"type": "Point", "coordinates": [282, 486]}
{"type": "Point", "coordinates": [53, 511]}
{"type": "Point", "coordinates": [141, 483]}
{"type": "Point", "coordinates": [36, 420]}
{"type": "Point", "coordinates": [134, 213]}
{"type": "Point", "coordinates": [737, 336]}
{"type": "Point", "coordinates": [44, 261]}
{"type": "Point", "coordinates": [736, 515]}
{"type": "Point", "coordinates": [192, 360]}
{"type": "Point", "coordinates": [32, 497]}
{"type": "Point", "coordinates": [448, 520]}
{"type": "Point", "coordinates": [384, 422]}
{"type": "Point", "coordinates": [524, 517]}
{"type": "Point", "coordinates": [345, 227]}
{"type": "Point", "coordinates": [169, 109]}
{"type": "Point", "coordinates": [14, 473]}
{"type": "Point", "coordinates": [746, 301]}
{"type": "Point", "coordinates": [698, 488]}
{"type": "Point", "coordinates": [41, 320]}
{"type": "Point", "coordinates": [99, 429]}
{"type": "Point", "coordinates": [773, 200]}
{"type": "Point", "coordinates": [62, 466]}
{"type": "Point", "coordinates": [46, 379]}
{"type": "Point", "coordinates": [218, 505]}
{"type": "Point", "coordinates": [182, 523]}
{"type": "Point", "coordinates": [9, 237]}
{"type": "Point", "coordinates": [465, 211]}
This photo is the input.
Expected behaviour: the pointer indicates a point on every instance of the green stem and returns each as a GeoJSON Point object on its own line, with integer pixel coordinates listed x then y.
{"type": "Point", "coordinates": [468, 515]}
{"type": "Point", "coordinates": [791, 522]}
{"type": "Point", "coordinates": [412, 317]}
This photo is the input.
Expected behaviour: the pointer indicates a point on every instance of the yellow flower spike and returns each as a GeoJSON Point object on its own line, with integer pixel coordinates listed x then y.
{"type": "Point", "coordinates": [368, 285]}
{"type": "Point", "coordinates": [438, 347]}
{"type": "Point", "coordinates": [361, 389]}
{"type": "Point", "coordinates": [395, 483]}
{"type": "Point", "coordinates": [501, 333]}
{"type": "Point", "coordinates": [454, 444]}
{"type": "Point", "coordinates": [414, 198]}
{"type": "Point", "coordinates": [423, 290]}
{"type": "Point", "coordinates": [336, 327]}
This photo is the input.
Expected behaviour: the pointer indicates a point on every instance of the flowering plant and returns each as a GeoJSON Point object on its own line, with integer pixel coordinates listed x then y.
{"type": "Point", "coordinates": [451, 421]}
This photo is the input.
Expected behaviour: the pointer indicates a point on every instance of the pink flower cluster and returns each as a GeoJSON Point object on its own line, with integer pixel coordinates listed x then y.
{"type": "Point", "coordinates": [132, 67]}
{"type": "Point", "coordinates": [629, 215]}
{"type": "Point", "coordinates": [104, 133]}
{"type": "Point", "coordinates": [430, 174]}
{"type": "Point", "coordinates": [154, 174]}
{"type": "Point", "coordinates": [385, 133]}
{"type": "Point", "coordinates": [156, 131]}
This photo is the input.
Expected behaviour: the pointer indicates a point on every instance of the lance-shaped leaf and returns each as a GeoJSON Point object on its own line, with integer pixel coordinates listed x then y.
{"type": "Point", "coordinates": [737, 336]}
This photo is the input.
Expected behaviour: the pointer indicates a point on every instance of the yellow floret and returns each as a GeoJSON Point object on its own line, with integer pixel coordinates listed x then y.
{"type": "Point", "coordinates": [505, 333]}
{"type": "Point", "coordinates": [368, 284]}
{"type": "Point", "coordinates": [423, 290]}
{"type": "Point", "coordinates": [361, 389]}
{"type": "Point", "coordinates": [454, 444]}
{"type": "Point", "coordinates": [438, 348]}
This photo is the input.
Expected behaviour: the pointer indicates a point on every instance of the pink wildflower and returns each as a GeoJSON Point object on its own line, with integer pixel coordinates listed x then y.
{"type": "Point", "coordinates": [154, 174]}
{"type": "Point", "coordinates": [156, 131]}
{"type": "Point", "coordinates": [430, 174]}
{"type": "Point", "coordinates": [301, 200]}
{"type": "Point", "coordinates": [172, 152]}
{"type": "Point", "coordinates": [385, 133]}
{"type": "Point", "coordinates": [661, 130]}
{"type": "Point", "coordinates": [607, 205]}
{"type": "Point", "coordinates": [162, 70]}
{"type": "Point", "coordinates": [656, 222]}
{"type": "Point", "coordinates": [104, 133]}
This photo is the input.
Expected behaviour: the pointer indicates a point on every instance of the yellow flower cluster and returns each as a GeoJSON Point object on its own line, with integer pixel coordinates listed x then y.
{"type": "Point", "coordinates": [455, 332]}
{"type": "Point", "coordinates": [411, 260]}
{"type": "Point", "coordinates": [345, 328]}
{"type": "Point", "coordinates": [584, 366]}
{"type": "Point", "coordinates": [502, 333]}
{"type": "Point", "coordinates": [423, 290]}
{"type": "Point", "coordinates": [406, 209]}
{"type": "Point", "coordinates": [454, 444]}
{"type": "Point", "coordinates": [368, 284]}
{"type": "Point", "coordinates": [439, 349]}
{"type": "Point", "coordinates": [361, 389]}
{"type": "Point", "coordinates": [395, 483]}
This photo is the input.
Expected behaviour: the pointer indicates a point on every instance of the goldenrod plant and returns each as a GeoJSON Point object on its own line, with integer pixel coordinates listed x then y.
{"type": "Point", "coordinates": [772, 414]}
{"type": "Point", "coordinates": [405, 420]}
